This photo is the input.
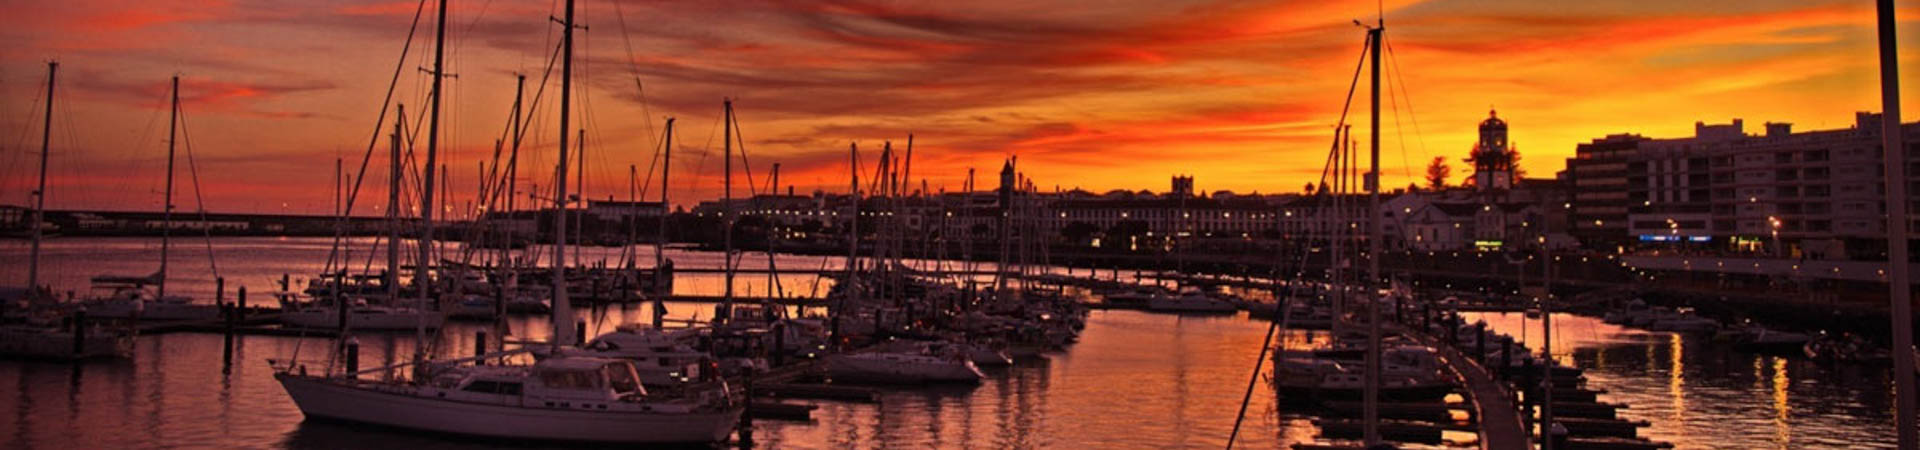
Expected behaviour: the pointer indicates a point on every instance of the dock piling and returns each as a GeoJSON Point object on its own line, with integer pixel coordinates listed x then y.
{"type": "Point", "coordinates": [353, 355]}
{"type": "Point", "coordinates": [479, 346]}
{"type": "Point", "coordinates": [80, 332]}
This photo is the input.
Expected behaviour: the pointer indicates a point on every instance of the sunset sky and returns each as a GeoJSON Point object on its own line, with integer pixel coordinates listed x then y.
{"type": "Point", "coordinates": [1094, 95]}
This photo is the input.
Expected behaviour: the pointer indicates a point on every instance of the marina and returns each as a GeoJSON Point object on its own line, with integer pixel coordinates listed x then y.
{"type": "Point", "coordinates": [178, 390]}
{"type": "Point", "coordinates": [490, 283]}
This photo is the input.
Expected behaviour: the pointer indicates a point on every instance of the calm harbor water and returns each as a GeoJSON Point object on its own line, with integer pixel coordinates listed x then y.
{"type": "Point", "coordinates": [1701, 394]}
{"type": "Point", "coordinates": [1136, 380]}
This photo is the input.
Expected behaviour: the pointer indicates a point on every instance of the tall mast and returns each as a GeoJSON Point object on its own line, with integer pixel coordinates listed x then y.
{"type": "Point", "coordinates": [422, 270]}
{"type": "Point", "coordinates": [580, 190]}
{"type": "Point", "coordinates": [513, 165]}
{"type": "Point", "coordinates": [660, 245]}
{"type": "Point", "coordinates": [393, 212]}
{"type": "Point", "coordinates": [726, 206]}
{"type": "Point", "coordinates": [40, 194]}
{"type": "Point", "coordinates": [166, 208]}
{"type": "Point", "coordinates": [1898, 223]}
{"type": "Point", "coordinates": [633, 220]}
{"type": "Point", "coordinates": [1373, 284]}
{"type": "Point", "coordinates": [562, 310]}
{"type": "Point", "coordinates": [773, 270]}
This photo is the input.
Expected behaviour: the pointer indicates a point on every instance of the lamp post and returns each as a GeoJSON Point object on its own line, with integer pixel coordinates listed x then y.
{"type": "Point", "coordinates": [1774, 222]}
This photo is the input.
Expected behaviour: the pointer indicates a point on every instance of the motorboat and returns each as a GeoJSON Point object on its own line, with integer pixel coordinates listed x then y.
{"type": "Point", "coordinates": [661, 357]}
{"type": "Point", "coordinates": [920, 366]}
{"type": "Point", "coordinates": [1682, 322]}
{"type": "Point", "coordinates": [130, 298]}
{"type": "Point", "coordinates": [360, 316]}
{"type": "Point", "coordinates": [1190, 301]}
{"type": "Point", "coordinates": [1761, 339]}
{"type": "Point", "coordinates": [557, 399]}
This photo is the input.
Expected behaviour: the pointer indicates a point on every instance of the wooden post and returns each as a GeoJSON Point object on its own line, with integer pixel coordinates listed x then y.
{"type": "Point", "coordinates": [479, 346]}
{"type": "Point", "coordinates": [79, 333]}
{"type": "Point", "coordinates": [580, 333]}
{"type": "Point", "coordinates": [746, 417]}
{"type": "Point", "coordinates": [1480, 342]}
{"type": "Point", "coordinates": [1506, 357]}
{"type": "Point", "coordinates": [240, 303]}
{"type": "Point", "coordinates": [353, 355]}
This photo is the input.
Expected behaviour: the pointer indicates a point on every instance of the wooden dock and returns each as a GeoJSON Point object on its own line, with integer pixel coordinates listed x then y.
{"type": "Point", "coordinates": [1499, 421]}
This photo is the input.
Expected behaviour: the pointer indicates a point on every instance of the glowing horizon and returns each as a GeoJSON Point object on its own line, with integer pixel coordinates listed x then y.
{"type": "Point", "coordinates": [1118, 95]}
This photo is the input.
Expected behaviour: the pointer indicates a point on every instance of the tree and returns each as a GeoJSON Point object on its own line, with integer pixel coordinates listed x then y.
{"type": "Point", "coordinates": [1437, 173]}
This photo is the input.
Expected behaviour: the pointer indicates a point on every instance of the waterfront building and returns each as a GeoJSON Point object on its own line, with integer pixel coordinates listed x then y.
{"type": "Point", "coordinates": [1816, 194]}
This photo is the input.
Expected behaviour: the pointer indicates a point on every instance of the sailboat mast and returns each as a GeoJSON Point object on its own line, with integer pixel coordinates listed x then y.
{"type": "Point", "coordinates": [726, 206]}
{"type": "Point", "coordinates": [393, 212]}
{"type": "Point", "coordinates": [513, 163]}
{"type": "Point", "coordinates": [166, 214]}
{"type": "Point", "coordinates": [422, 270]}
{"type": "Point", "coordinates": [660, 244]}
{"type": "Point", "coordinates": [562, 310]}
{"type": "Point", "coordinates": [1375, 235]}
{"type": "Point", "coordinates": [40, 194]}
{"type": "Point", "coordinates": [773, 270]}
{"type": "Point", "coordinates": [1899, 222]}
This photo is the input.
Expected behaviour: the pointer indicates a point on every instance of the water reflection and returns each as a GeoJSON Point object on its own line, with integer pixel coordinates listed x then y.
{"type": "Point", "coordinates": [1702, 394]}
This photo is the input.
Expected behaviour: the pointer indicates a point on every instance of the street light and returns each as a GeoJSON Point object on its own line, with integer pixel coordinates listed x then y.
{"type": "Point", "coordinates": [1775, 222]}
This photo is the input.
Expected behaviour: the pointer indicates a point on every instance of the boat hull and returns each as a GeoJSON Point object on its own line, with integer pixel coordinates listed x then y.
{"type": "Point", "coordinates": [323, 399]}
{"type": "Point", "coordinates": [359, 321]}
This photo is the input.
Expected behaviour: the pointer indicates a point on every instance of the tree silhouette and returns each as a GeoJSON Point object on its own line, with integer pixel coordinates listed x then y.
{"type": "Point", "coordinates": [1437, 173]}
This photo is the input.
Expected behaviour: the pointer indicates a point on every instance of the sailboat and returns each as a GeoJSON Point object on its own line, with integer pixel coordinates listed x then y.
{"type": "Point", "coordinates": [128, 297]}
{"type": "Point", "coordinates": [35, 326]}
{"type": "Point", "coordinates": [339, 306]}
{"type": "Point", "coordinates": [560, 398]}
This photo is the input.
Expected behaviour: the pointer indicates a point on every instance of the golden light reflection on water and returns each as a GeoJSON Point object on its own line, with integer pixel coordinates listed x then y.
{"type": "Point", "coordinates": [1676, 379]}
{"type": "Point", "coordinates": [1782, 431]}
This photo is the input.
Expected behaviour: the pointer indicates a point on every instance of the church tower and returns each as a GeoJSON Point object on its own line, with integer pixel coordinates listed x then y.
{"type": "Point", "coordinates": [1492, 157]}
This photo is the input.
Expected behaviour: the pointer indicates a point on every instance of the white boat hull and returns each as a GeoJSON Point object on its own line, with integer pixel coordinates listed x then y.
{"type": "Point", "coordinates": [315, 318]}
{"type": "Point", "coordinates": [323, 399]}
{"type": "Point", "coordinates": [847, 367]}
{"type": "Point", "coordinates": [127, 309]}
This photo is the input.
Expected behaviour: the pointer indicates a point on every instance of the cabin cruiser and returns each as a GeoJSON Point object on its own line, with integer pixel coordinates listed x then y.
{"type": "Point", "coordinates": [130, 298]}
{"type": "Point", "coordinates": [360, 316]}
{"type": "Point", "coordinates": [474, 307]}
{"type": "Point", "coordinates": [1133, 298]}
{"type": "Point", "coordinates": [1319, 380]}
{"type": "Point", "coordinates": [559, 399]}
{"type": "Point", "coordinates": [1190, 301]}
{"type": "Point", "coordinates": [1682, 321]}
{"type": "Point", "coordinates": [661, 357]}
{"type": "Point", "coordinates": [913, 366]}
{"type": "Point", "coordinates": [981, 354]}
{"type": "Point", "coordinates": [1760, 339]}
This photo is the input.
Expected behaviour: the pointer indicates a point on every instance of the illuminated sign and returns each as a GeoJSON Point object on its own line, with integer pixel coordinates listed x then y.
{"type": "Point", "coordinates": [1674, 238]}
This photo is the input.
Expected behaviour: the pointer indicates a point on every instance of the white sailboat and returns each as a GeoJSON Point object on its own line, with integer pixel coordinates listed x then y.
{"type": "Point", "coordinates": [35, 326]}
{"type": "Point", "coordinates": [127, 297]}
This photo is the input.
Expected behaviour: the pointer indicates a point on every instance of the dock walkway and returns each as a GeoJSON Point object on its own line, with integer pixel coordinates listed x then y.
{"type": "Point", "coordinates": [1500, 425]}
